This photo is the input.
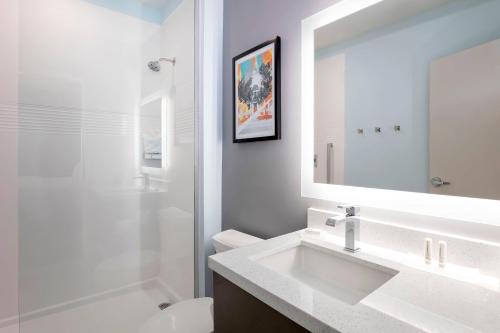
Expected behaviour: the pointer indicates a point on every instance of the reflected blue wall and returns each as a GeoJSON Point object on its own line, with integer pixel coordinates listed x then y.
{"type": "Point", "coordinates": [387, 84]}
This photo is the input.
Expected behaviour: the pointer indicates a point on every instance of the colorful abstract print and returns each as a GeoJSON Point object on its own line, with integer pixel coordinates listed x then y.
{"type": "Point", "coordinates": [255, 89]}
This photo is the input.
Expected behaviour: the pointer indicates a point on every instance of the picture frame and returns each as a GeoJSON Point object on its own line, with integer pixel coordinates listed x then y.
{"type": "Point", "coordinates": [257, 93]}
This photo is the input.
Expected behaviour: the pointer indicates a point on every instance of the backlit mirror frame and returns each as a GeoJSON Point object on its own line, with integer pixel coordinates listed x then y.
{"type": "Point", "coordinates": [158, 173]}
{"type": "Point", "coordinates": [452, 207]}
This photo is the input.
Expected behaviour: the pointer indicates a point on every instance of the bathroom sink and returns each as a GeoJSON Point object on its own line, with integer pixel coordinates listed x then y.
{"type": "Point", "coordinates": [333, 273]}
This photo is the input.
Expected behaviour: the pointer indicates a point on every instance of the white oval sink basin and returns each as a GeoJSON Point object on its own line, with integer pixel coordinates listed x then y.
{"type": "Point", "coordinates": [336, 274]}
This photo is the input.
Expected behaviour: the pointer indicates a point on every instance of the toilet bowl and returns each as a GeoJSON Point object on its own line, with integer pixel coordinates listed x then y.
{"type": "Point", "coordinates": [178, 318]}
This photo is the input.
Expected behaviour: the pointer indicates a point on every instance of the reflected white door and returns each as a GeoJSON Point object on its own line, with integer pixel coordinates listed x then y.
{"type": "Point", "coordinates": [329, 123]}
{"type": "Point", "coordinates": [465, 122]}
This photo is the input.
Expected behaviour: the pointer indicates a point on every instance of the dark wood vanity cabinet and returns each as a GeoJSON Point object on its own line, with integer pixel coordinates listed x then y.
{"type": "Point", "coordinates": [236, 311]}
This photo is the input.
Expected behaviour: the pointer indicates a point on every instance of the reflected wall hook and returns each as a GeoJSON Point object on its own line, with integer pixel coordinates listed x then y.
{"type": "Point", "coordinates": [397, 128]}
{"type": "Point", "coordinates": [360, 131]}
{"type": "Point", "coordinates": [378, 130]}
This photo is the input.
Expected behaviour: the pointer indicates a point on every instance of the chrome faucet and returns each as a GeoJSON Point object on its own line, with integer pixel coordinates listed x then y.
{"type": "Point", "coordinates": [352, 226]}
{"type": "Point", "coordinates": [146, 179]}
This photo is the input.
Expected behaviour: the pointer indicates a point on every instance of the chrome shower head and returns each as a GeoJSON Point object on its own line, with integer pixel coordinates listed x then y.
{"type": "Point", "coordinates": [155, 65]}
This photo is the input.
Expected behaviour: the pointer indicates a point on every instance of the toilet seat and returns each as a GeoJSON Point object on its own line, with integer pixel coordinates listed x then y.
{"type": "Point", "coordinates": [178, 318]}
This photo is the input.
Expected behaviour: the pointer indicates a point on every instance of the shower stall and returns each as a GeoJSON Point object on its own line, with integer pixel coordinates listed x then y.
{"type": "Point", "coordinates": [97, 132]}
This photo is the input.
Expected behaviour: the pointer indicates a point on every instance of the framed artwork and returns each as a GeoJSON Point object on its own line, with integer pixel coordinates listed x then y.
{"type": "Point", "coordinates": [256, 93]}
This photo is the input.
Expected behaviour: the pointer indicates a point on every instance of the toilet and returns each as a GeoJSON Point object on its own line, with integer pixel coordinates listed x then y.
{"type": "Point", "coordinates": [178, 318]}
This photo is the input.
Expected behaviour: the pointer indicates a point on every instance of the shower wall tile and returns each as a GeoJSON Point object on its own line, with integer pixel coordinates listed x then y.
{"type": "Point", "coordinates": [185, 95]}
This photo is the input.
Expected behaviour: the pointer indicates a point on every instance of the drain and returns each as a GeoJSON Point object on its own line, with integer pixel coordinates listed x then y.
{"type": "Point", "coordinates": [163, 306]}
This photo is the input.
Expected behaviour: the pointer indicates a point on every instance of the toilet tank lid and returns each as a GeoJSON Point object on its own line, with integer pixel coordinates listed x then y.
{"type": "Point", "coordinates": [233, 238]}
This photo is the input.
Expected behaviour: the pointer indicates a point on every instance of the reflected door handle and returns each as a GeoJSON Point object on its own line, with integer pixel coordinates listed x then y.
{"type": "Point", "coordinates": [438, 182]}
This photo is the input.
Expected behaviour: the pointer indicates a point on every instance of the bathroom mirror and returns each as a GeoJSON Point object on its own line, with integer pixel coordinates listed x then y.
{"type": "Point", "coordinates": [152, 134]}
{"type": "Point", "coordinates": [402, 95]}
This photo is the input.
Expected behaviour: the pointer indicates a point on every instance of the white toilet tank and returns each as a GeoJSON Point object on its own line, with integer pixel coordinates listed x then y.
{"type": "Point", "coordinates": [231, 239]}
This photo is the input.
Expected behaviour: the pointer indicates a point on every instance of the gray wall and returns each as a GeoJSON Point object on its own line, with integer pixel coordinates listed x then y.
{"type": "Point", "coordinates": [261, 180]}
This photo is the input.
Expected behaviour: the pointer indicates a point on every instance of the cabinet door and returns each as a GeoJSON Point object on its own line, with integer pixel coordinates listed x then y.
{"type": "Point", "coordinates": [235, 310]}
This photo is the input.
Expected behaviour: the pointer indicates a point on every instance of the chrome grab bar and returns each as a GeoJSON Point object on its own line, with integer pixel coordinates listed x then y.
{"type": "Point", "coordinates": [329, 163]}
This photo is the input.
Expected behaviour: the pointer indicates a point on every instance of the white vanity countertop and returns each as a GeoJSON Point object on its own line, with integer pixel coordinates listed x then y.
{"type": "Point", "coordinates": [412, 301]}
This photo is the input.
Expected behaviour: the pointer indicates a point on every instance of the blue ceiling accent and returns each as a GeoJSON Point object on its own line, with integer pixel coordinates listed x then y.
{"type": "Point", "coordinates": [151, 13]}
{"type": "Point", "coordinates": [169, 7]}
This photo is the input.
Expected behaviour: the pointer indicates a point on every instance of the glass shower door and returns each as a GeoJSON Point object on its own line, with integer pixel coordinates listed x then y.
{"type": "Point", "coordinates": [9, 315]}
{"type": "Point", "coordinates": [105, 163]}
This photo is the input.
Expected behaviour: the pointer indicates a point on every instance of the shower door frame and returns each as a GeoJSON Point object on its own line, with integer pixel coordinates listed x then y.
{"type": "Point", "coordinates": [208, 136]}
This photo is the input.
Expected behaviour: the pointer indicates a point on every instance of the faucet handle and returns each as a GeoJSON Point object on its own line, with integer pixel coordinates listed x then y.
{"type": "Point", "coordinates": [333, 221]}
{"type": "Point", "coordinates": [350, 210]}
